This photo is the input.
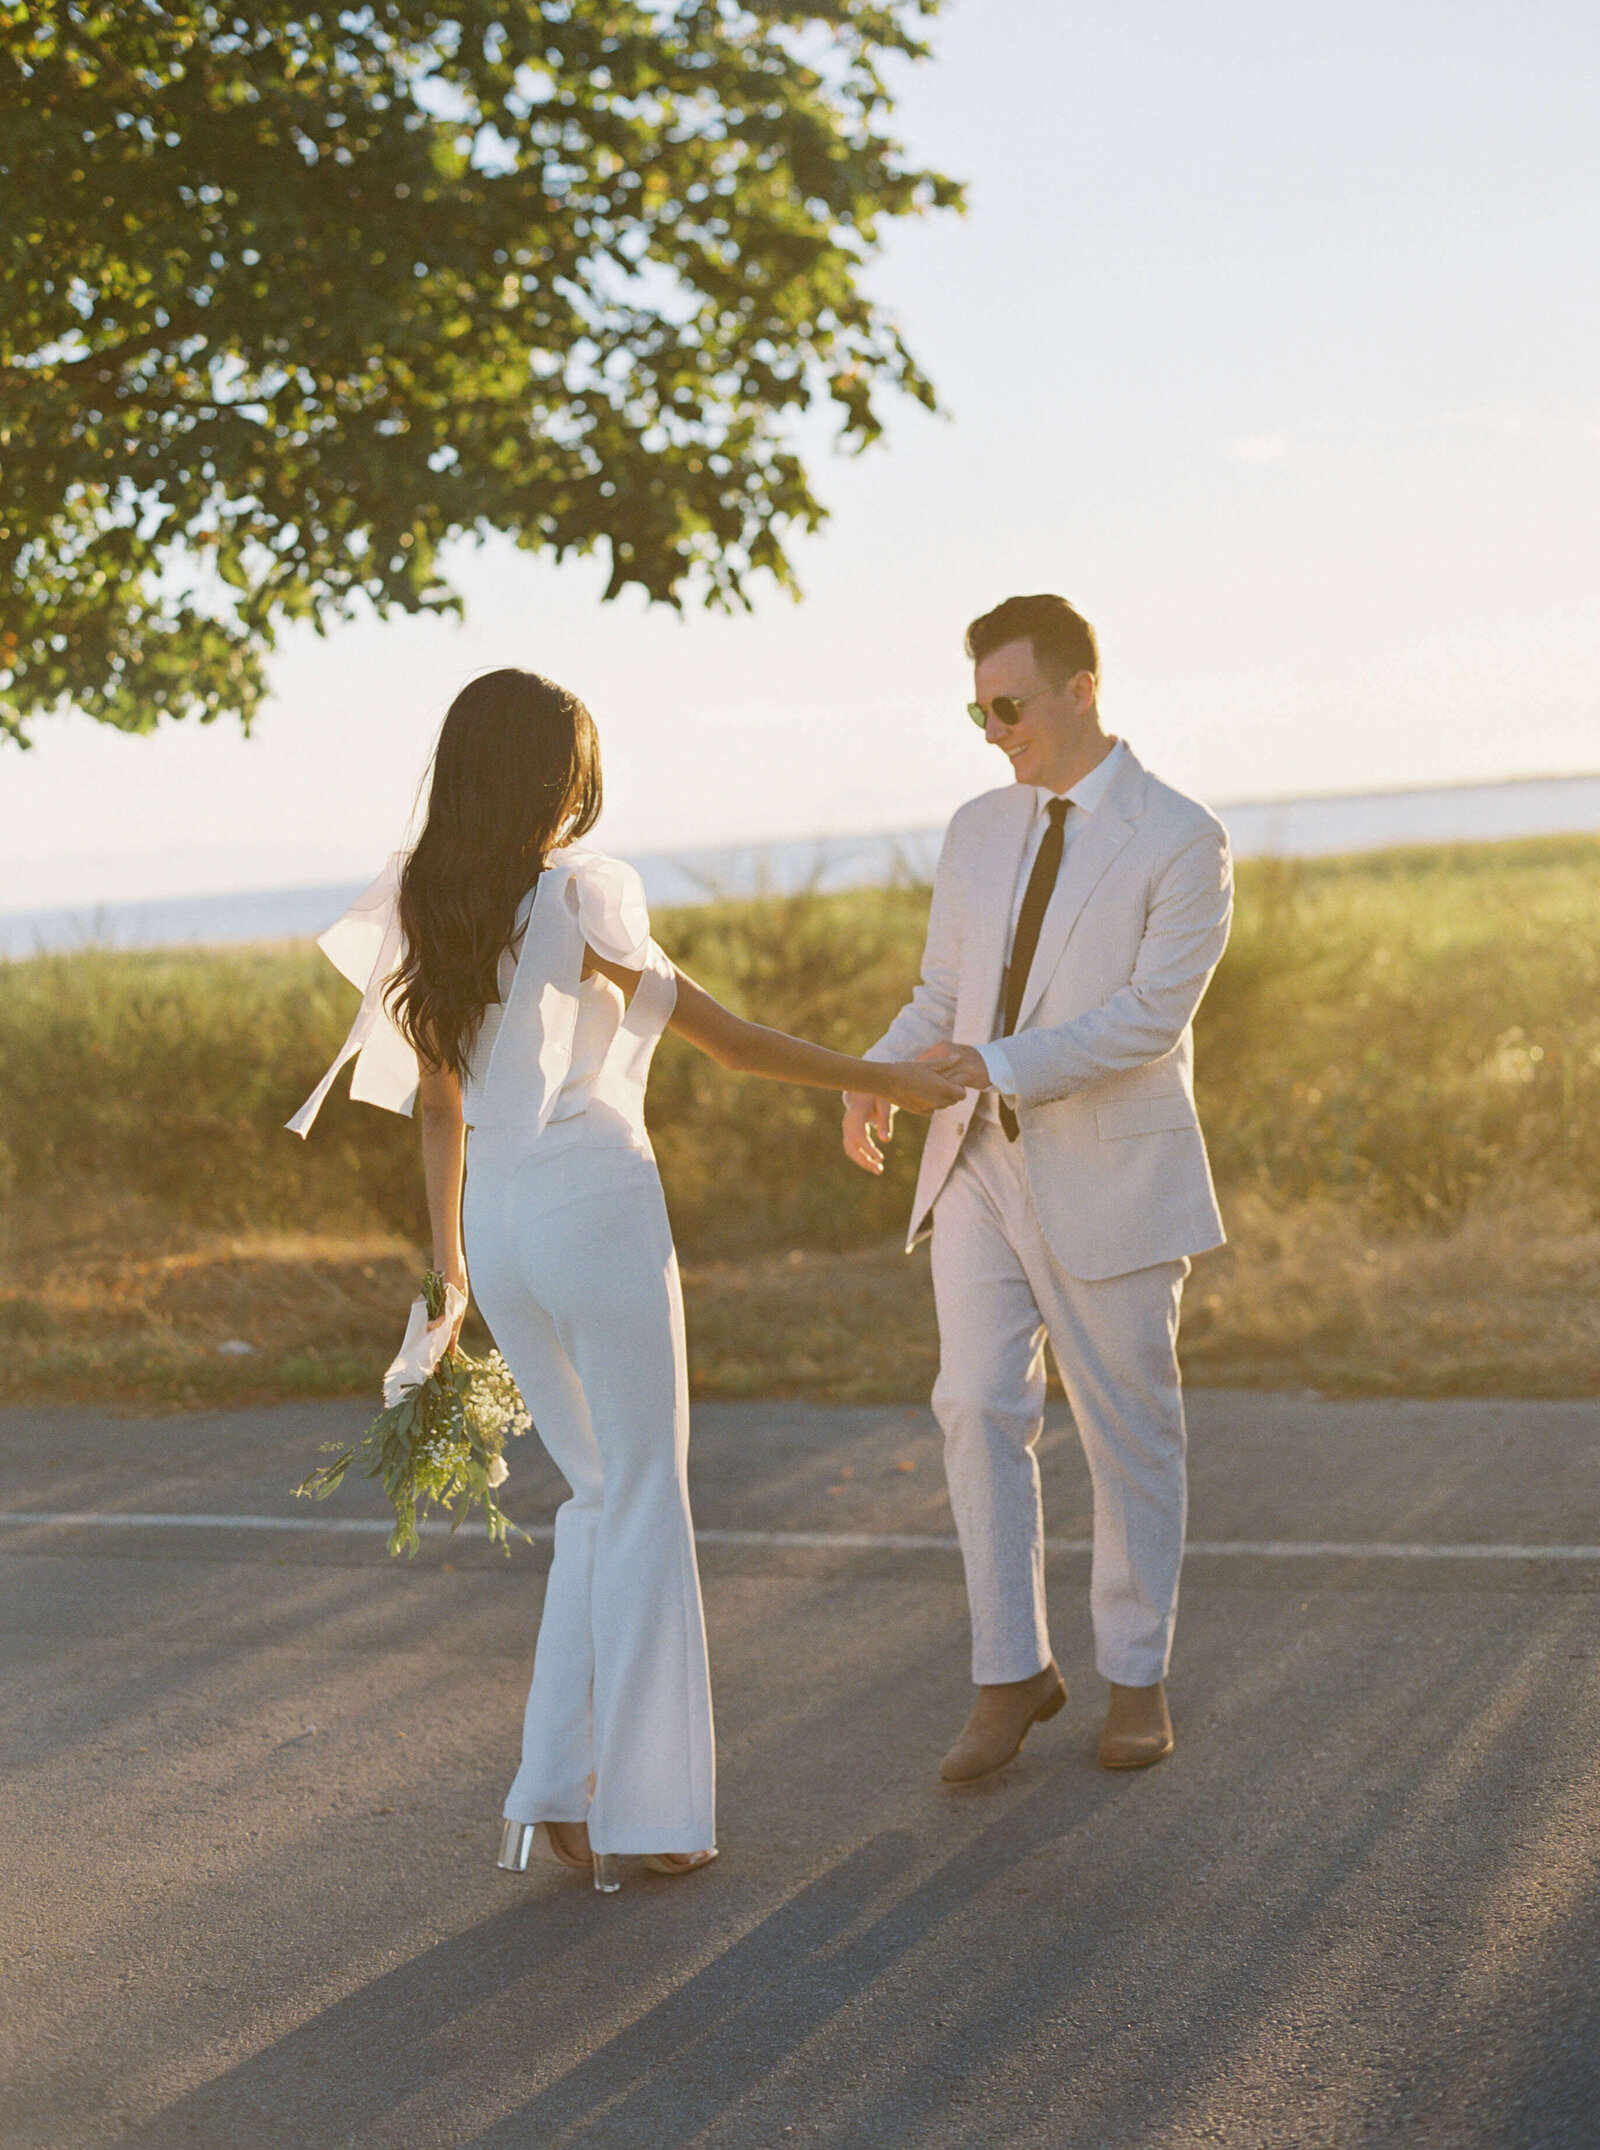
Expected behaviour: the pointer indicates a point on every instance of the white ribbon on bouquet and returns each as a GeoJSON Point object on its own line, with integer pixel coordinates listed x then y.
{"type": "Point", "coordinates": [424, 1346]}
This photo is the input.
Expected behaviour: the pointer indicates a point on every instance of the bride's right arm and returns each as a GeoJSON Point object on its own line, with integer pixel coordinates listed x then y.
{"type": "Point", "coordinates": [443, 1169]}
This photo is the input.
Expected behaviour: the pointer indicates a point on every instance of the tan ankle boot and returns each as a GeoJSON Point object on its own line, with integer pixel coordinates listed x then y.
{"type": "Point", "coordinates": [1138, 1730]}
{"type": "Point", "coordinates": [1001, 1719]}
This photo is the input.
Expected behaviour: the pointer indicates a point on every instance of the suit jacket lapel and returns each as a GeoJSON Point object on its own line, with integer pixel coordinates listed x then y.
{"type": "Point", "coordinates": [1093, 848]}
{"type": "Point", "coordinates": [991, 912]}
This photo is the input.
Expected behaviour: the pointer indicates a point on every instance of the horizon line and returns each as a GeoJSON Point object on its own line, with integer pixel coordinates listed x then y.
{"type": "Point", "coordinates": [684, 858]}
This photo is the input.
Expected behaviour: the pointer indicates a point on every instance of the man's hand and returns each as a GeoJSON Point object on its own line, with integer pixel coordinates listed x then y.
{"type": "Point", "coordinates": [958, 1063]}
{"type": "Point", "coordinates": [868, 1121]}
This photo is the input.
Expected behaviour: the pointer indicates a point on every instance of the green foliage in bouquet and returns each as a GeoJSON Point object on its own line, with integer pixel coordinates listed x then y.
{"type": "Point", "coordinates": [442, 1442]}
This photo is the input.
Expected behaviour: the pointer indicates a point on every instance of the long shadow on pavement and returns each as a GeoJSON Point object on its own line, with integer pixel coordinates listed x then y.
{"type": "Point", "coordinates": [758, 2000]}
{"type": "Point", "coordinates": [1376, 1873]}
{"type": "Point", "coordinates": [373, 2051]}
{"type": "Point", "coordinates": [702, 2050]}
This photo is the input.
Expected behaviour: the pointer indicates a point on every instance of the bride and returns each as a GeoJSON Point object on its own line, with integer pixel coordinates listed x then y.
{"type": "Point", "coordinates": [511, 983]}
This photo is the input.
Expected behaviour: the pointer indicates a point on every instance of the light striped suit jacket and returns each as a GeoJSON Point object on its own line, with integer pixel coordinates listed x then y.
{"type": "Point", "coordinates": [1103, 1054]}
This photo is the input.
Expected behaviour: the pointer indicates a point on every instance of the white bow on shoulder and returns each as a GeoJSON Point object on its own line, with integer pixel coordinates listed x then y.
{"type": "Point", "coordinates": [364, 946]}
{"type": "Point", "coordinates": [582, 897]}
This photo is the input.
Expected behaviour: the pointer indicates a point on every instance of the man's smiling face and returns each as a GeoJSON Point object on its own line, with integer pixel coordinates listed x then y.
{"type": "Point", "coordinates": [1046, 738]}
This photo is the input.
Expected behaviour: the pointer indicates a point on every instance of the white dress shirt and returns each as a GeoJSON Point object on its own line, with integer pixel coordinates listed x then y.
{"type": "Point", "coordinates": [1084, 797]}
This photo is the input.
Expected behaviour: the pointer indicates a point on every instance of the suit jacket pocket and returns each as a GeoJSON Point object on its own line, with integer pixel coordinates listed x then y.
{"type": "Point", "coordinates": [1144, 1116]}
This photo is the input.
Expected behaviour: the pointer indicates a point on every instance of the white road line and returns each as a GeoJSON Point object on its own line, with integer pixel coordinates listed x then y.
{"type": "Point", "coordinates": [824, 1541]}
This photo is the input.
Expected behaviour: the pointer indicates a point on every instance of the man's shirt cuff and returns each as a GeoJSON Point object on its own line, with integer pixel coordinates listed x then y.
{"type": "Point", "coordinates": [996, 1059]}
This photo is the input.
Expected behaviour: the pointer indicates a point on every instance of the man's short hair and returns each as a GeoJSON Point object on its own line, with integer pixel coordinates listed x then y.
{"type": "Point", "coordinates": [1063, 641]}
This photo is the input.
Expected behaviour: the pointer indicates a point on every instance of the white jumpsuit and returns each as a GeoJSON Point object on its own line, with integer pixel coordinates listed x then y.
{"type": "Point", "coordinates": [572, 1265]}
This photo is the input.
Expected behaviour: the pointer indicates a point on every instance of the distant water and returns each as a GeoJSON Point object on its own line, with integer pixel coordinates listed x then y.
{"type": "Point", "coordinates": [1285, 828]}
{"type": "Point", "coordinates": [1455, 814]}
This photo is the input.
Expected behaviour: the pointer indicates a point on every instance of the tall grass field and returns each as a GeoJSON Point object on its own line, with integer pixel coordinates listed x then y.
{"type": "Point", "coordinates": [1398, 1073]}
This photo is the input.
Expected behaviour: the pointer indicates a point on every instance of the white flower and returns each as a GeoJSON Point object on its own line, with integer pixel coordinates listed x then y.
{"type": "Point", "coordinates": [498, 1472]}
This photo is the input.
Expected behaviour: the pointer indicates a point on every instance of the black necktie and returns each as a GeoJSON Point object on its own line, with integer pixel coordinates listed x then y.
{"type": "Point", "coordinates": [1035, 901]}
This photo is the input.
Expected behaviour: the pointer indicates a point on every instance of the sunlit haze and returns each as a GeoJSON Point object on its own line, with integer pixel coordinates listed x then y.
{"type": "Point", "coordinates": [1271, 339]}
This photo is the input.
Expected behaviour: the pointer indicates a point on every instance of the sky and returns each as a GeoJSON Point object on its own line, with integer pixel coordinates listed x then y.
{"type": "Point", "coordinates": [1271, 339]}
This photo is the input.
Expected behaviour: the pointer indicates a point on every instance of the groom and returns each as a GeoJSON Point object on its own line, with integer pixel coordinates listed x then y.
{"type": "Point", "coordinates": [1077, 916]}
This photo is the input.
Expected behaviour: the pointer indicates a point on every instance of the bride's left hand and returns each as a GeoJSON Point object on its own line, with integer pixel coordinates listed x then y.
{"type": "Point", "coordinates": [461, 1285]}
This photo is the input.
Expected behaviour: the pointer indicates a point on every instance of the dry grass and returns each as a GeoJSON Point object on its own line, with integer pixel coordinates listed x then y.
{"type": "Point", "coordinates": [1305, 1296]}
{"type": "Point", "coordinates": [1506, 1303]}
{"type": "Point", "coordinates": [841, 1328]}
{"type": "Point", "coordinates": [125, 1307]}
{"type": "Point", "coordinates": [90, 1319]}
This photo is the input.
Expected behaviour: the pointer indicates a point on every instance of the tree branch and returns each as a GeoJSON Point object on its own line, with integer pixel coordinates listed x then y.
{"type": "Point", "coordinates": [104, 365]}
{"type": "Point", "coordinates": [121, 78]}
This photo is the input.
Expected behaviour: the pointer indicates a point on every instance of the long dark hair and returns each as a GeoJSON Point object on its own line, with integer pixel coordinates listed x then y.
{"type": "Point", "coordinates": [516, 771]}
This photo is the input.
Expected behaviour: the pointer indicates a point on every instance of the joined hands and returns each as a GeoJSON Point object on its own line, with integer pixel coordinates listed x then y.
{"type": "Point", "coordinates": [869, 1116]}
{"type": "Point", "coordinates": [916, 1087]}
{"type": "Point", "coordinates": [962, 1064]}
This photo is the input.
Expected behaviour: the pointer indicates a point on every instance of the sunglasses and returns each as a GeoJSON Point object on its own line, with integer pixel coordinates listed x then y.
{"type": "Point", "coordinates": [1007, 707]}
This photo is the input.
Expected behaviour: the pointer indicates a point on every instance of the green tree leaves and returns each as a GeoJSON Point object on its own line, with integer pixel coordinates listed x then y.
{"type": "Point", "coordinates": [292, 297]}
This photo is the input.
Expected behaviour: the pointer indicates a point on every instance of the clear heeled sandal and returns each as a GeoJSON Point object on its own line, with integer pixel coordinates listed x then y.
{"type": "Point", "coordinates": [521, 1843]}
{"type": "Point", "coordinates": [524, 1843]}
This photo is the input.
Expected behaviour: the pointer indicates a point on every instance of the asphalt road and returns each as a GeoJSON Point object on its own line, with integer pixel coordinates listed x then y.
{"type": "Point", "coordinates": [249, 1782]}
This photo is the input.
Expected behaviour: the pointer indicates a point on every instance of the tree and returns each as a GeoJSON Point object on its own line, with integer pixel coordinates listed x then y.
{"type": "Point", "coordinates": [293, 296]}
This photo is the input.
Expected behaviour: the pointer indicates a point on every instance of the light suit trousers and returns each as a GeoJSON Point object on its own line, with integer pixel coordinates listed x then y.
{"type": "Point", "coordinates": [1000, 1293]}
{"type": "Point", "coordinates": [571, 1259]}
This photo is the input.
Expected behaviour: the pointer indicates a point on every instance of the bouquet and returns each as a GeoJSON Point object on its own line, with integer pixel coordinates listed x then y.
{"type": "Point", "coordinates": [441, 1433]}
